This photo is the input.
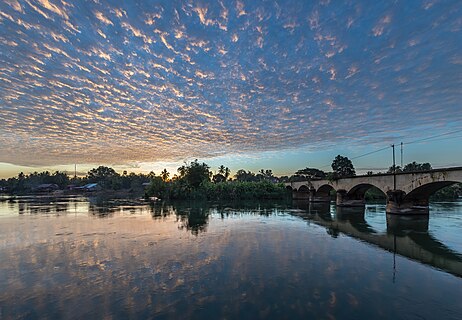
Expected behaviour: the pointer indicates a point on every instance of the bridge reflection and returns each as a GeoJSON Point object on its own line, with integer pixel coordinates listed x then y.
{"type": "Point", "coordinates": [405, 236]}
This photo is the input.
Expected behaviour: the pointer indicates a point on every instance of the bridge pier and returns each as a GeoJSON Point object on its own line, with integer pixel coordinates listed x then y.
{"type": "Point", "coordinates": [310, 195]}
{"type": "Point", "coordinates": [398, 204]}
{"type": "Point", "coordinates": [344, 200]}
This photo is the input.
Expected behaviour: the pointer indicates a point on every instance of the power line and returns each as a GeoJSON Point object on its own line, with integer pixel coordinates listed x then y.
{"type": "Point", "coordinates": [435, 136]}
{"type": "Point", "coordinates": [440, 139]}
{"type": "Point", "coordinates": [372, 152]}
{"type": "Point", "coordinates": [415, 141]}
{"type": "Point", "coordinates": [429, 139]}
{"type": "Point", "coordinates": [363, 155]}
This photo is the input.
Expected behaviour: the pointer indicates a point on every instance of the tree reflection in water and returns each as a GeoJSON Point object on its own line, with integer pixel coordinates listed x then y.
{"type": "Point", "coordinates": [194, 216]}
{"type": "Point", "coordinates": [40, 205]}
{"type": "Point", "coordinates": [193, 219]}
{"type": "Point", "coordinates": [191, 216]}
{"type": "Point", "coordinates": [106, 207]}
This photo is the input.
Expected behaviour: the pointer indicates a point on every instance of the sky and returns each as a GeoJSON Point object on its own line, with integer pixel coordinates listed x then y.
{"type": "Point", "coordinates": [281, 85]}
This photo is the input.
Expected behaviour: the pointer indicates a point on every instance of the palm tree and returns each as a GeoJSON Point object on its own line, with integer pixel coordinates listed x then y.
{"type": "Point", "coordinates": [227, 173]}
{"type": "Point", "coordinates": [182, 171]}
{"type": "Point", "coordinates": [221, 170]}
{"type": "Point", "coordinates": [164, 175]}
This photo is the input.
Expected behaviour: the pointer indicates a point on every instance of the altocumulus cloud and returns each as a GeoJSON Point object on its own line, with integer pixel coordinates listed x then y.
{"type": "Point", "coordinates": [108, 82]}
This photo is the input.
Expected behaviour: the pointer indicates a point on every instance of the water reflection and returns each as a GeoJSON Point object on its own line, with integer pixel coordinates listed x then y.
{"type": "Point", "coordinates": [40, 205]}
{"type": "Point", "coordinates": [103, 207]}
{"type": "Point", "coordinates": [194, 219]}
{"type": "Point", "coordinates": [403, 225]}
{"type": "Point", "coordinates": [194, 216]}
{"type": "Point", "coordinates": [406, 235]}
{"type": "Point", "coordinates": [128, 259]}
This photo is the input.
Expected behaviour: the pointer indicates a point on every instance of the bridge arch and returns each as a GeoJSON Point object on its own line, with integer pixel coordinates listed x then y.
{"type": "Point", "coordinates": [322, 194]}
{"type": "Point", "coordinates": [422, 194]}
{"type": "Point", "coordinates": [325, 189]}
{"type": "Point", "coordinates": [359, 191]}
{"type": "Point", "coordinates": [302, 193]}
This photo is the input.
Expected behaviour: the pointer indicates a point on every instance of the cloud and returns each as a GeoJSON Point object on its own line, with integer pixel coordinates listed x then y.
{"type": "Point", "coordinates": [15, 5]}
{"type": "Point", "coordinates": [100, 16]}
{"type": "Point", "coordinates": [85, 82]}
{"type": "Point", "coordinates": [240, 8]}
{"type": "Point", "coordinates": [380, 26]}
{"type": "Point", "coordinates": [53, 8]}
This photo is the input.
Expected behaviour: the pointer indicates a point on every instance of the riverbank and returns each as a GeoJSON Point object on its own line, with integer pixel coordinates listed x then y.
{"type": "Point", "coordinates": [118, 194]}
{"type": "Point", "coordinates": [229, 190]}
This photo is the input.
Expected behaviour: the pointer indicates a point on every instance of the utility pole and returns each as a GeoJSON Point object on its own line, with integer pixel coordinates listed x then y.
{"type": "Point", "coordinates": [394, 167]}
{"type": "Point", "coordinates": [401, 155]}
{"type": "Point", "coordinates": [75, 171]}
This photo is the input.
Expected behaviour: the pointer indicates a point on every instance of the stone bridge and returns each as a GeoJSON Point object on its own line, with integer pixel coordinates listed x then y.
{"type": "Point", "coordinates": [406, 193]}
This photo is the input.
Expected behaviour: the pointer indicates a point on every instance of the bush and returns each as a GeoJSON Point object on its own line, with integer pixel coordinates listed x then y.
{"type": "Point", "coordinates": [229, 190]}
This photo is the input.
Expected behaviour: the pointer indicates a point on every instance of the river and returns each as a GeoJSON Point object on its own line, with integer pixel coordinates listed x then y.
{"type": "Point", "coordinates": [78, 257]}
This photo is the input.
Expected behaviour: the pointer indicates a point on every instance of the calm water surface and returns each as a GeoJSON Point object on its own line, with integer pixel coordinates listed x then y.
{"type": "Point", "coordinates": [88, 258]}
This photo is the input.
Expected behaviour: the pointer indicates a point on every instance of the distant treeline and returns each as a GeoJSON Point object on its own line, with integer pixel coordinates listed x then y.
{"type": "Point", "coordinates": [196, 181]}
{"type": "Point", "coordinates": [106, 178]}
{"type": "Point", "coordinates": [193, 181]}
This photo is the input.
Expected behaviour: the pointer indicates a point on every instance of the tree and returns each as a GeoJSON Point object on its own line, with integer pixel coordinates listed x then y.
{"type": "Point", "coordinates": [395, 169]}
{"type": "Point", "coordinates": [104, 176]}
{"type": "Point", "coordinates": [217, 178]}
{"type": "Point", "coordinates": [222, 175]}
{"type": "Point", "coordinates": [311, 173]}
{"type": "Point", "coordinates": [101, 173]}
{"type": "Point", "coordinates": [264, 175]}
{"type": "Point", "coordinates": [151, 175]}
{"type": "Point", "coordinates": [164, 175]}
{"type": "Point", "coordinates": [221, 170]}
{"type": "Point", "coordinates": [411, 167]}
{"type": "Point", "coordinates": [414, 166]}
{"type": "Point", "coordinates": [227, 173]}
{"type": "Point", "coordinates": [157, 188]}
{"type": "Point", "coordinates": [60, 178]}
{"type": "Point", "coordinates": [343, 167]}
{"type": "Point", "coordinates": [182, 170]}
{"type": "Point", "coordinates": [242, 175]}
{"type": "Point", "coordinates": [195, 173]}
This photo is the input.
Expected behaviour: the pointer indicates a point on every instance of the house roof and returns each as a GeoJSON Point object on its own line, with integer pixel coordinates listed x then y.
{"type": "Point", "coordinates": [90, 185]}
